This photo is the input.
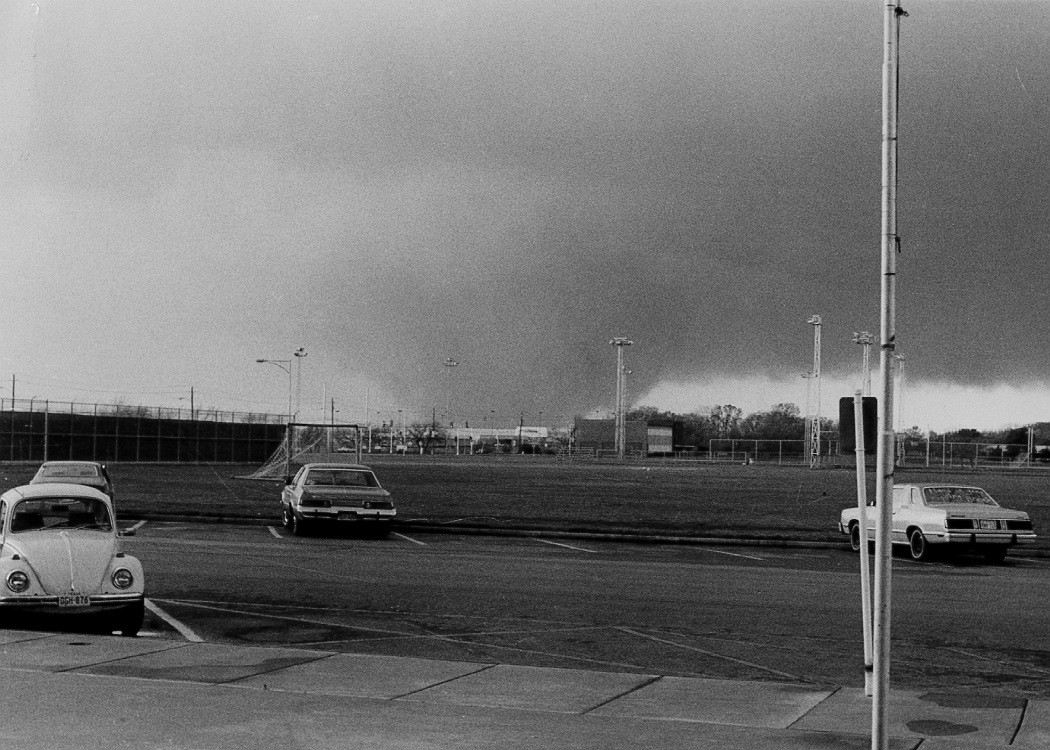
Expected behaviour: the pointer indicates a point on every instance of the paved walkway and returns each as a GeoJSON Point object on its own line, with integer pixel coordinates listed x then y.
{"type": "Point", "coordinates": [63, 691]}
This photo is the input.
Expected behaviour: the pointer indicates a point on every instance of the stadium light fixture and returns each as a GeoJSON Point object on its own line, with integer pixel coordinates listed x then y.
{"type": "Point", "coordinates": [286, 365]}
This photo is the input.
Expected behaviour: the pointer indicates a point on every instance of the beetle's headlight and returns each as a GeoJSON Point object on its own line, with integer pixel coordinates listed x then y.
{"type": "Point", "coordinates": [122, 578]}
{"type": "Point", "coordinates": [17, 581]}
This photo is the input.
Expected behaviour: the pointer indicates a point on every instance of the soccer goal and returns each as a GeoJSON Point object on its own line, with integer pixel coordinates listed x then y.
{"type": "Point", "coordinates": [311, 443]}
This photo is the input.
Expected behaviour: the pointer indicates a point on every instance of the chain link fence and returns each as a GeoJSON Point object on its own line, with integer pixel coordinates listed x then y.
{"type": "Point", "coordinates": [41, 430]}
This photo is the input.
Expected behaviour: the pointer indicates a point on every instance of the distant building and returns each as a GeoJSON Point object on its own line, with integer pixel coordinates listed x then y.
{"type": "Point", "coordinates": [643, 438]}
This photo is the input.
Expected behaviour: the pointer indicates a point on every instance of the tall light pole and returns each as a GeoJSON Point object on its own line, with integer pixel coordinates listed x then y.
{"type": "Point", "coordinates": [286, 365]}
{"type": "Point", "coordinates": [449, 365]}
{"type": "Point", "coordinates": [865, 339]}
{"type": "Point", "coordinates": [299, 355]}
{"type": "Point", "coordinates": [814, 439]}
{"type": "Point", "coordinates": [621, 433]}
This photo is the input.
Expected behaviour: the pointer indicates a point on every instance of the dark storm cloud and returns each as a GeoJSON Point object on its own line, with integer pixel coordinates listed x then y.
{"type": "Point", "coordinates": [513, 184]}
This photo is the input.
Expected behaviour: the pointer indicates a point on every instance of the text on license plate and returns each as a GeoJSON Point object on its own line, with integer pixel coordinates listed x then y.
{"type": "Point", "coordinates": [989, 525]}
{"type": "Point", "coordinates": [74, 600]}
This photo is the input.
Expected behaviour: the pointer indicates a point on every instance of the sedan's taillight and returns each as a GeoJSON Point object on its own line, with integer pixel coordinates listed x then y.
{"type": "Point", "coordinates": [315, 502]}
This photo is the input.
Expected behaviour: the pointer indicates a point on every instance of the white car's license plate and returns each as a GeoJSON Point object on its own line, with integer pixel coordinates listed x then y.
{"type": "Point", "coordinates": [74, 600]}
{"type": "Point", "coordinates": [992, 525]}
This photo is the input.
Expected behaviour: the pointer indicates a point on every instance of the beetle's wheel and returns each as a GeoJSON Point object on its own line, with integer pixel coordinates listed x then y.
{"type": "Point", "coordinates": [920, 548]}
{"type": "Point", "coordinates": [130, 621]}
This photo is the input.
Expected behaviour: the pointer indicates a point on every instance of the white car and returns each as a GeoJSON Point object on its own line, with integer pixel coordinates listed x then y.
{"type": "Point", "coordinates": [951, 517]}
{"type": "Point", "coordinates": [336, 495]}
{"type": "Point", "coordinates": [60, 554]}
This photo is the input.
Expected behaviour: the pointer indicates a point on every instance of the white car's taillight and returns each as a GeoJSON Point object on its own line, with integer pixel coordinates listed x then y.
{"type": "Point", "coordinates": [17, 581]}
{"type": "Point", "coordinates": [122, 578]}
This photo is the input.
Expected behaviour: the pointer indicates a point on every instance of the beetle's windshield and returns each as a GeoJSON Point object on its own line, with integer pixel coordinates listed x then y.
{"type": "Point", "coordinates": [60, 513]}
{"type": "Point", "coordinates": [957, 495]}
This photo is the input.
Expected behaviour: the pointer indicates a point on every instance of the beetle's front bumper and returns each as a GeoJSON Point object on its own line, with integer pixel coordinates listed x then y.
{"type": "Point", "coordinates": [98, 603]}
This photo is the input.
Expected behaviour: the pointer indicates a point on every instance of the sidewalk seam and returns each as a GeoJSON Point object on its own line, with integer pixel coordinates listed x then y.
{"type": "Point", "coordinates": [617, 697]}
{"type": "Point", "coordinates": [1020, 721]}
{"type": "Point", "coordinates": [814, 707]}
{"type": "Point", "coordinates": [484, 668]}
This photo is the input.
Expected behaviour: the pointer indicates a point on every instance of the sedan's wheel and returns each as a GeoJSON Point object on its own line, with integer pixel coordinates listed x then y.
{"type": "Point", "coordinates": [854, 537]}
{"type": "Point", "coordinates": [995, 555]}
{"type": "Point", "coordinates": [289, 517]}
{"type": "Point", "coordinates": [920, 548]}
{"type": "Point", "coordinates": [130, 621]}
{"type": "Point", "coordinates": [298, 527]}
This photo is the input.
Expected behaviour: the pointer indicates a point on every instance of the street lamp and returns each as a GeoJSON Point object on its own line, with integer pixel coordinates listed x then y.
{"type": "Point", "coordinates": [299, 355]}
{"type": "Point", "coordinates": [865, 339]}
{"type": "Point", "coordinates": [286, 365]}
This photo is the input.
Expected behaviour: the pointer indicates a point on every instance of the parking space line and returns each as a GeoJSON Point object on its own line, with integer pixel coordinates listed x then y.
{"type": "Point", "coordinates": [567, 546]}
{"type": "Point", "coordinates": [186, 632]}
{"type": "Point", "coordinates": [409, 539]}
{"type": "Point", "coordinates": [735, 554]}
{"type": "Point", "coordinates": [136, 527]}
{"type": "Point", "coordinates": [275, 532]}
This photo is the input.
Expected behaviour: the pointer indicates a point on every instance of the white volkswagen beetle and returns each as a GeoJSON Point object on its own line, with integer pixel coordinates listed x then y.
{"type": "Point", "coordinates": [946, 516]}
{"type": "Point", "coordinates": [60, 553]}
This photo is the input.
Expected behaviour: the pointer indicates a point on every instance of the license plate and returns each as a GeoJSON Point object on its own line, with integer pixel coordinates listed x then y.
{"type": "Point", "coordinates": [74, 600]}
{"type": "Point", "coordinates": [992, 525]}
{"type": "Point", "coordinates": [347, 516]}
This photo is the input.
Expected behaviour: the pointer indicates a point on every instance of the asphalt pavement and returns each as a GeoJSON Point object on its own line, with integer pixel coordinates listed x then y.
{"type": "Point", "coordinates": [63, 691]}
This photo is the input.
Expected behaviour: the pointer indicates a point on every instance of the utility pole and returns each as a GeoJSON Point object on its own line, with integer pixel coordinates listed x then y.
{"type": "Point", "coordinates": [880, 739]}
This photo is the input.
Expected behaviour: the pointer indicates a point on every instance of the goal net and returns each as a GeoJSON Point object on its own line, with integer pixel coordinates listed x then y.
{"type": "Point", "coordinates": [311, 443]}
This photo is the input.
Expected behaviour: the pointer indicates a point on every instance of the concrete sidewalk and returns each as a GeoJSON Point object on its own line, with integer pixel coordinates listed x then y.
{"type": "Point", "coordinates": [60, 690]}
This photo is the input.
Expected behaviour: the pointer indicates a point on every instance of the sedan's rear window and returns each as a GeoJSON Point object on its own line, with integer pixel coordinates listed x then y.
{"type": "Point", "coordinates": [957, 495]}
{"type": "Point", "coordinates": [341, 478]}
{"type": "Point", "coordinates": [72, 472]}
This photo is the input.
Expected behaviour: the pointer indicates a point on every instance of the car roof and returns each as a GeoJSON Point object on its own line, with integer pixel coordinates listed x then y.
{"type": "Point", "coordinates": [54, 489]}
{"type": "Point", "coordinates": [358, 467]}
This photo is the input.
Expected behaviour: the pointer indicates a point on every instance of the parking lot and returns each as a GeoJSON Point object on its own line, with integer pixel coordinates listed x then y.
{"type": "Point", "coordinates": [728, 611]}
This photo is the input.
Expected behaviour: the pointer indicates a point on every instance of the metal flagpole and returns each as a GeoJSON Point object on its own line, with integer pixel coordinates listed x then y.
{"type": "Point", "coordinates": [885, 454]}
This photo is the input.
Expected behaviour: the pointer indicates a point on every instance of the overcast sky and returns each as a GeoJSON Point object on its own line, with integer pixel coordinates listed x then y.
{"type": "Point", "coordinates": [190, 186]}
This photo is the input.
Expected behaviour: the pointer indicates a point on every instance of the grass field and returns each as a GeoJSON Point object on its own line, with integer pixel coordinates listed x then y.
{"type": "Point", "coordinates": [521, 491]}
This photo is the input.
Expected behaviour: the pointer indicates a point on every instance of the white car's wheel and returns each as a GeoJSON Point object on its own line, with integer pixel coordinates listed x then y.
{"type": "Point", "coordinates": [130, 621]}
{"type": "Point", "coordinates": [289, 517]}
{"type": "Point", "coordinates": [854, 537]}
{"type": "Point", "coordinates": [917, 544]}
{"type": "Point", "coordinates": [995, 555]}
{"type": "Point", "coordinates": [298, 527]}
